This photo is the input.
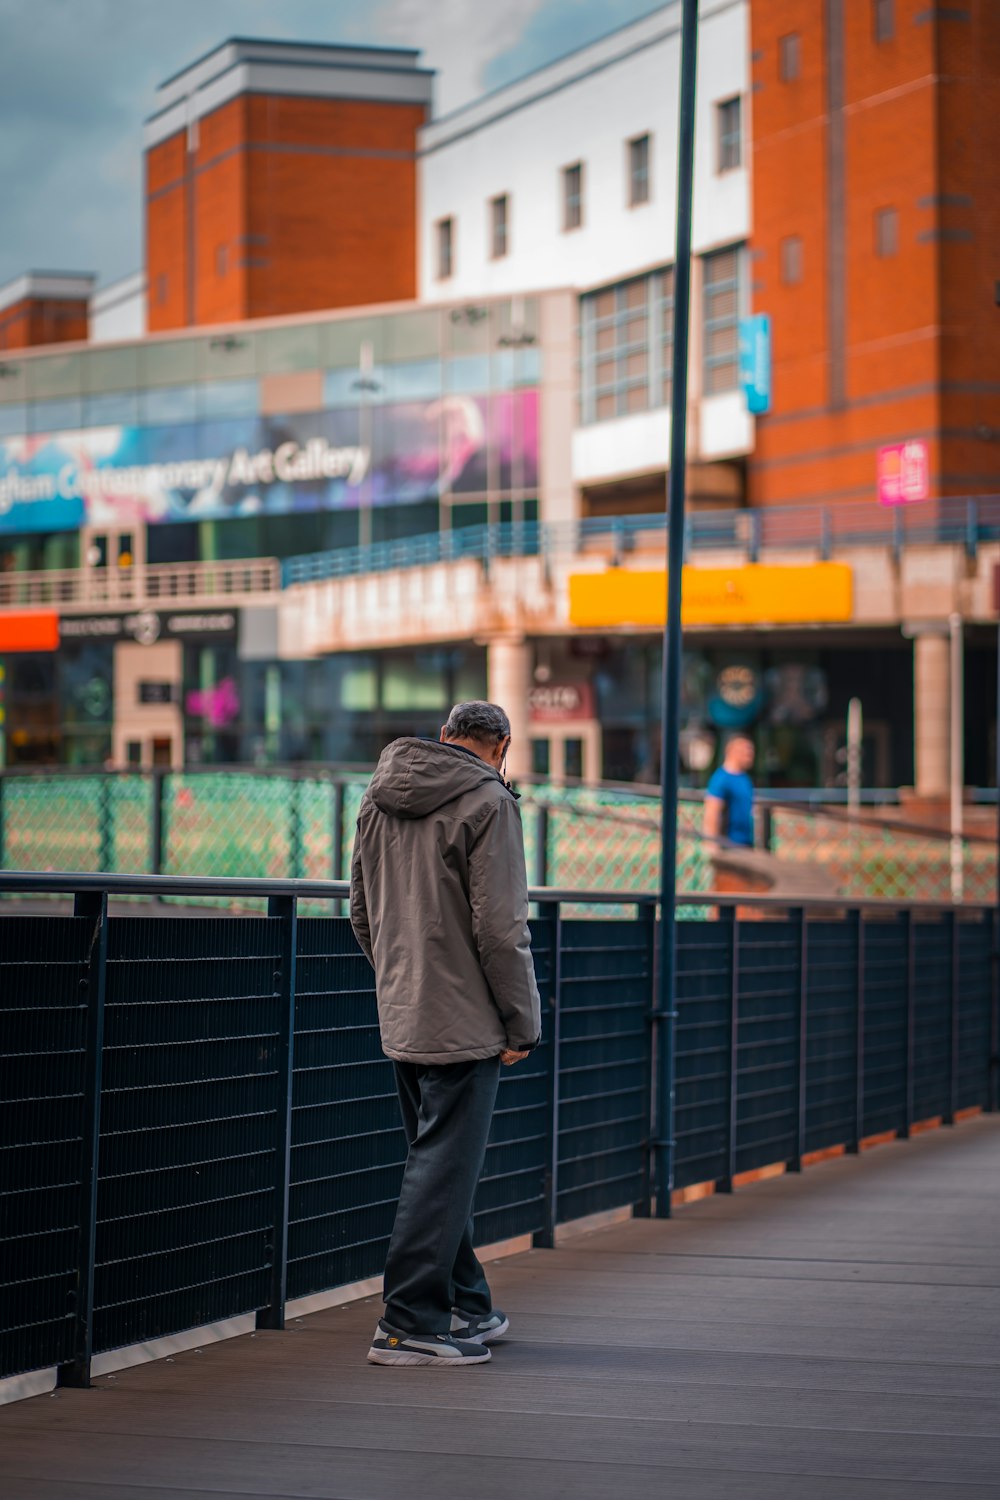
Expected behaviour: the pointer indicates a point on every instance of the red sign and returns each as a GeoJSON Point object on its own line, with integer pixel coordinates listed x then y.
{"type": "Point", "coordinates": [904, 473]}
{"type": "Point", "coordinates": [562, 702]}
{"type": "Point", "coordinates": [29, 630]}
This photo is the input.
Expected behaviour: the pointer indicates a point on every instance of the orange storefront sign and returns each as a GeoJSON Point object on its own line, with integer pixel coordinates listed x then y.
{"type": "Point", "coordinates": [752, 594]}
{"type": "Point", "coordinates": [28, 630]}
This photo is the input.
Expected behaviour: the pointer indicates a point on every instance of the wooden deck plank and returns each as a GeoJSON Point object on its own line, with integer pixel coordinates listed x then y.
{"type": "Point", "coordinates": [832, 1335]}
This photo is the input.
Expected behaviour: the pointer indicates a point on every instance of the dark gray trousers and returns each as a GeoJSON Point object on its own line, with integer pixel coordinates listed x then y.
{"type": "Point", "coordinates": [431, 1266]}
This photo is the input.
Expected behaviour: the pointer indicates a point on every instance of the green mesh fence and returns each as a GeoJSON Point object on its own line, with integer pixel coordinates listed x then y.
{"type": "Point", "coordinates": [53, 822]}
{"type": "Point", "coordinates": [880, 861]}
{"type": "Point", "coordinates": [273, 824]}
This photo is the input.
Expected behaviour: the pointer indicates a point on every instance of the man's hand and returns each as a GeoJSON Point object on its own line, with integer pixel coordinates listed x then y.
{"type": "Point", "coordinates": [508, 1057]}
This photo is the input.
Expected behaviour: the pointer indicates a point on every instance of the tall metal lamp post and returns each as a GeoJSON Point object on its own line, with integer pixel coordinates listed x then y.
{"type": "Point", "coordinates": [672, 660]}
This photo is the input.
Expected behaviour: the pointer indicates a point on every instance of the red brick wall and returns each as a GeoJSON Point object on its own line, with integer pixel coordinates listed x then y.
{"type": "Point", "coordinates": [167, 271]}
{"type": "Point", "coordinates": [909, 319]}
{"type": "Point", "coordinates": [298, 204]}
{"type": "Point", "coordinates": [43, 320]}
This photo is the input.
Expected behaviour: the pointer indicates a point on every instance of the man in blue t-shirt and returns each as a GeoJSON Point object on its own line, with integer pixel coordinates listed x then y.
{"type": "Point", "coordinates": [729, 795]}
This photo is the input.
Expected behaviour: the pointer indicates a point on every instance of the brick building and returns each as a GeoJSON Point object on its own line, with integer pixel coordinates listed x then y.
{"type": "Point", "coordinates": [876, 221]}
{"type": "Point", "coordinates": [281, 178]}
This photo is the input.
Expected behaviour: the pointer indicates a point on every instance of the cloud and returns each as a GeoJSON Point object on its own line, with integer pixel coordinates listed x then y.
{"type": "Point", "coordinates": [558, 27]}
{"type": "Point", "coordinates": [78, 77]}
{"type": "Point", "coordinates": [458, 37]}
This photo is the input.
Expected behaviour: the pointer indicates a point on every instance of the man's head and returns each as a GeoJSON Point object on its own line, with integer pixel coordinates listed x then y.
{"type": "Point", "coordinates": [739, 753]}
{"type": "Point", "coordinates": [483, 728]}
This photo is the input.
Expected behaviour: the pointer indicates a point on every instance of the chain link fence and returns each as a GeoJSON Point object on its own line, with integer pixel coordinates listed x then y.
{"type": "Point", "coordinates": [301, 825]}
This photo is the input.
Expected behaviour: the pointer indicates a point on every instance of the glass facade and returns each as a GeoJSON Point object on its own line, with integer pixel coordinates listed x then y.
{"type": "Point", "coordinates": [791, 700]}
{"type": "Point", "coordinates": [338, 709]}
{"type": "Point", "coordinates": [412, 418]}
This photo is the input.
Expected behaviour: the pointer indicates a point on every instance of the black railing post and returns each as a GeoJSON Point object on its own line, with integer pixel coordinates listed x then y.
{"type": "Point", "coordinates": [545, 1238]}
{"type": "Point", "coordinates": [993, 1058]}
{"type": "Point", "coordinates": [802, 1055]}
{"type": "Point", "coordinates": [644, 1208]}
{"type": "Point", "coordinates": [542, 844]}
{"type": "Point", "coordinates": [911, 986]}
{"type": "Point", "coordinates": [157, 794]}
{"type": "Point", "coordinates": [729, 917]}
{"type": "Point", "coordinates": [954, 992]}
{"type": "Point", "coordinates": [295, 829]}
{"type": "Point", "coordinates": [92, 906]}
{"type": "Point", "coordinates": [664, 1138]}
{"type": "Point", "coordinates": [854, 1145]}
{"type": "Point", "coordinates": [282, 908]}
{"type": "Point", "coordinates": [106, 825]}
{"type": "Point", "coordinates": [766, 826]}
{"type": "Point", "coordinates": [337, 833]}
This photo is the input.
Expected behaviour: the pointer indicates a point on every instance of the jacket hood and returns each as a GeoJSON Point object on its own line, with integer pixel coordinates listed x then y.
{"type": "Point", "coordinates": [415, 777]}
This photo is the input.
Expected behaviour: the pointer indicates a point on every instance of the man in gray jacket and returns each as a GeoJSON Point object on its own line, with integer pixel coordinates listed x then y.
{"type": "Point", "coordinates": [439, 904]}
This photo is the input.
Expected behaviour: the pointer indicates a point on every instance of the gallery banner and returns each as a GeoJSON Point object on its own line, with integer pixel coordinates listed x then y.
{"type": "Point", "coordinates": [212, 470]}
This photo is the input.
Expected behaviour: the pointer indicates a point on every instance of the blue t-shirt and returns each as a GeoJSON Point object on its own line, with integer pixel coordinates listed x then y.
{"type": "Point", "coordinates": [735, 789]}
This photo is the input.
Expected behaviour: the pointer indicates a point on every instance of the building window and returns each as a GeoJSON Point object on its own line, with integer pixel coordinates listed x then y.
{"type": "Point", "coordinates": [886, 232]}
{"type": "Point", "coordinates": [722, 318]}
{"type": "Point", "coordinates": [499, 226]}
{"type": "Point", "coordinates": [626, 343]}
{"type": "Point", "coordinates": [573, 196]}
{"type": "Point", "coordinates": [445, 249]}
{"type": "Point", "coordinates": [791, 260]}
{"type": "Point", "coordinates": [730, 127]}
{"type": "Point", "coordinates": [789, 57]}
{"type": "Point", "coordinates": [638, 171]}
{"type": "Point", "coordinates": [883, 20]}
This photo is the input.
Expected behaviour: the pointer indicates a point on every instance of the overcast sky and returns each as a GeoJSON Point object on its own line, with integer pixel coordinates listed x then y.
{"type": "Point", "coordinates": [77, 79]}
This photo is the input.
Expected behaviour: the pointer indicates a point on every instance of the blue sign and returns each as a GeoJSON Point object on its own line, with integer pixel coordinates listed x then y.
{"type": "Point", "coordinates": [755, 362]}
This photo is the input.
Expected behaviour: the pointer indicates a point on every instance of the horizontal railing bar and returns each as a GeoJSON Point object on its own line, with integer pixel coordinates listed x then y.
{"type": "Point", "coordinates": [23, 882]}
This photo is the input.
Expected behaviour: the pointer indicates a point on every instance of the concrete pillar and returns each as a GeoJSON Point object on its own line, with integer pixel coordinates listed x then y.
{"type": "Point", "coordinates": [931, 713]}
{"type": "Point", "coordinates": [508, 678]}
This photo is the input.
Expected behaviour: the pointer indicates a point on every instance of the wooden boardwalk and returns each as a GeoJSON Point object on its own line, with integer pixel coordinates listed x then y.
{"type": "Point", "coordinates": [834, 1336]}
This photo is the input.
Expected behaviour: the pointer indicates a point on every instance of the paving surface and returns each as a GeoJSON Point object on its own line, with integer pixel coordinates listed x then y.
{"type": "Point", "coordinates": [834, 1336]}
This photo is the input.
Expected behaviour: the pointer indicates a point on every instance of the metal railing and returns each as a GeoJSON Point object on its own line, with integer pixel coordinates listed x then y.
{"type": "Point", "coordinates": [820, 530]}
{"type": "Point", "coordinates": [198, 1121]}
{"type": "Point", "coordinates": [141, 584]}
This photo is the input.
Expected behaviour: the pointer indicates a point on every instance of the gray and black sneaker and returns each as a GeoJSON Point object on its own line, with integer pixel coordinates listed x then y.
{"type": "Point", "coordinates": [391, 1346]}
{"type": "Point", "coordinates": [479, 1330]}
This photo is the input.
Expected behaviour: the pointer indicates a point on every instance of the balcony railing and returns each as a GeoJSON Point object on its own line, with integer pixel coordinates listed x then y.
{"type": "Point", "coordinates": [85, 588]}
{"type": "Point", "coordinates": [201, 1123]}
{"type": "Point", "coordinates": [820, 530]}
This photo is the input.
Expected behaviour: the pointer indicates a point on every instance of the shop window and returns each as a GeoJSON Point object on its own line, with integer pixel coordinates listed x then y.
{"type": "Point", "coordinates": [883, 20]}
{"type": "Point", "coordinates": [791, 260]}
{"type": "Point", "coordinates": [729, 117]}
{"type": "Point", "coordinates": [499, 226]}
{"type": "Point", "coordinates": [572, 179]}
{"type": "Point", "coordinates": [626, 346]}
{"type": "Point", "coordinates": [789, 57]}
{"type": "Point", "coordinates": [638, 170]}
{"type": "Point", "coordinates": [445, 249]}
{"type": "Point", "coordinates": [886, 232]}
{"type": "Point", "coordinates": [722, 272]}
{"type": "Point", "coordinates": [573, 759]}
{"type": "Point", "coordinates": [541, 757]}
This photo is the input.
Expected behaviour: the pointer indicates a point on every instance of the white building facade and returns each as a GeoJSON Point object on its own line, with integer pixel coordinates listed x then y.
{"type": "Point", "coordinates": [567, 178]}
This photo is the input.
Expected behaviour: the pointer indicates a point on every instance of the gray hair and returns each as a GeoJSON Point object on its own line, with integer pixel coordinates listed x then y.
{"type": "Point", "coordinates": [486, 723]}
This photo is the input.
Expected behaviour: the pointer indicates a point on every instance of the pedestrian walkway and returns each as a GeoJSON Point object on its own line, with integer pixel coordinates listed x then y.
{"type": "Point", "coordinates": [834, 1336]}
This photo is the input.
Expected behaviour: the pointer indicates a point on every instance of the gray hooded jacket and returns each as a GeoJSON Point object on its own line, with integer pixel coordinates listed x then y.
{"type": "Point", "coordinates": [439, 904]}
